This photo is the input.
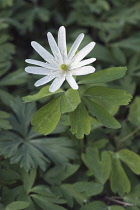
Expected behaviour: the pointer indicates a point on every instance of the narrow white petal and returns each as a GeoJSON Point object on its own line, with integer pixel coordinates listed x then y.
{"type": "Point", "coordinates": [62, 42]}
{"type": "Point", "coordinates": [42, 52]}
{"type": "Point", "coordinates": [35, 62]}
{"type": "Point", "coordinates": [83, 70]}
{"type": "Point", "coordinates": [54, 48]}
{"type": "Point", "coordinates": [37, 70]}
{"type": "Point", "coordinates": [82, 63]}
{"type": "Point", "coordinates": [56, 84]}
{"type": "Point", "coordinates": [44, 80]}
{"type": "Point", "coordinates": [75, 46]}
{"type": "Point", "coordinates": [82, 53]}
{"type": "Point", "coordinates": [71, 81]}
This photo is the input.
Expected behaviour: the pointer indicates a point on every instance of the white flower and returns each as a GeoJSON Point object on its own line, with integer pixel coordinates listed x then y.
{"type": "Point", "coordinates": [61, 65]}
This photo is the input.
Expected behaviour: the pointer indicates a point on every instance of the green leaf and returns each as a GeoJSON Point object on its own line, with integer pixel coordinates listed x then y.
{"type": "Point", "coordinates": [131, 159]}
{"type": "Point", "coordinates": [58, 173]}
{"type": "Point", "coordinates": [134, 111]}
{"type": "Point", "coordinates": [99, 165]}
{"type": "Point", "coordinates": [97, 205]}
{"type": "Point", "coordinates": [119, 181]}
{"type": "Point", "coordinates": [44, 92]}
{"type": "Point", "coordinates": [105, 75]}
{"type": "Point", "coordinates": [80, 121]}
{"type": "Point", "coordinates": [17, 205]}
{"type": "Point", "coordinates": [88, 188]}
{"type": "Point", "coordinates": [134, 196]}
{"type": "Point", "coordinates": [102, 115]}
{"type": "Point", "coordinates": [28, 179]}
{"type": "Point", "coordinates": [108, 95]}
{"type": "Point", "coordinates": [115, 207]}
{"type": "Point", "coordinates": [46, 204]}
{"type": "Point", "coordinates": [15, 78]}
{"type": "Point", "coordinates": [69, 101]}
{"type": "Point", "coordinates": [45, 120]}
{"type": "Point", "coordinates": [46, 199]}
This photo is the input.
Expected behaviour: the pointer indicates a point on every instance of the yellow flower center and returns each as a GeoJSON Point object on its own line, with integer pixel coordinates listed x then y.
{"type": "Point", "coordinates": [64, 67]}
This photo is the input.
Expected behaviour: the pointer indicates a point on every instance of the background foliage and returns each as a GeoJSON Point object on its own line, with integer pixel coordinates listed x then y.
{"type": "Point", "coordinates": [58, 171]}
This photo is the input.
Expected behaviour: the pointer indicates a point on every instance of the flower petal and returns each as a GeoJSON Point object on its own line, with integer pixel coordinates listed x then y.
{"type": "Point", "coordinates": [37, 70]}
{"type": "Point", "coordinates": [62, 42]}
{"type": "Point", "coordinates": [42, 64]}
{"type": "Point", "coordinates": [42, 52]}
{"type": "Point", "coordinates": [54, 48]}
{"type": "Point", "coordinates": [35, 62]}
{"type": "Point", "coordinates": [82, 53]}
{"type": "Point", "coordinates": [82, 63]}
{"type": "Point", "coordinates": [71, 81]}
{"type": "Point", "coordinates": [75, 47]}
{"type": "Point", "coordinates": [44, 80]}
{"type": "Point", "coordinates": [83, 70]}
{"type": "Point", "coordinates": [56, 84]}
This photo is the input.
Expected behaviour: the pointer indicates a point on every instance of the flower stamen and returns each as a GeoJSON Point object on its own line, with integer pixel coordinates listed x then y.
{"type": "Point", "coordinates": [64, 67]}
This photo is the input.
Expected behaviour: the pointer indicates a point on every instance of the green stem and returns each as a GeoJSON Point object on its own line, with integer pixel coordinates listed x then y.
{"type": "Point", "coordinates": [129, 135]}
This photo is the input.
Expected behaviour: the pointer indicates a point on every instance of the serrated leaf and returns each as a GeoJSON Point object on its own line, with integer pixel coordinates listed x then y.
{"type": "Point", "coordinates": [105, 75]}
{"type": "Point", "coordinates": [45, 120]}
{"type": "Point", "coordinates": [99, 165]}
{"type": "Point", "coordinates": [102, 115]}
{"type": "Point", "coordinates": [119, 181]}
{"type": "Point", "coordinates": [69, 101]}
{"type": "Point", "coordinates": [131, 159]}
{"type": "Point", "coordinates": [80, 121]}
{"type": "Point", "coordinates": [17, 205]}
{"type": "Point", "coordinates": [108, 95]}
{"type": "Point", "coordinates": [44, 92]}
{"type": "Point", "coordinates": [98, 205]}
{"type": "Point", "coordinates": [134, 112]}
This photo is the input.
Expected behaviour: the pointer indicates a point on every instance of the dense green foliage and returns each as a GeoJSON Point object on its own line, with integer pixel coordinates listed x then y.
{"type": "Point", "coordinates": [89, 156]}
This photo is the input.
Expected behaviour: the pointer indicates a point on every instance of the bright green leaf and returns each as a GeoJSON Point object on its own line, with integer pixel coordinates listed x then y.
{"type": "Point", "coordinates": [45, 120]}
{"type": "Point", "coordinates": [105, 75]}
{"type": "Point", "coordinates": [103, 116]}
{"type": "Point", "coordinates": [44, 92]}
{"type": "Point", "coordinates": [118, 180]}
{"type": "Point", "coordinates": [80, 121]}
{"type": "Point", "coordinates": [108, 95]}
{"type": "Point", "coordinates": [131, 159]}
{"type": "Point", "coordinates": [98, 165]}
{"type": "Point", "coordinates": [69, 101]}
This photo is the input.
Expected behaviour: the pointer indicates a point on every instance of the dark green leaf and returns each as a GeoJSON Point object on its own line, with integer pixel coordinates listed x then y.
{"type": "Point", "coordinates": [100, 167]}
{"type": "Point", "coordinates": [17, 205]}
{"type": "Point", "coordinates": [131, 159]}
{"type": "Point", "coordinates": [98, 205]}
{"type": "Point", "coordinates": [118, 180]}
{"type": "Point", "coordinates": [103, 116]}
{"type": "Point", "coordinates": [134, 111]}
